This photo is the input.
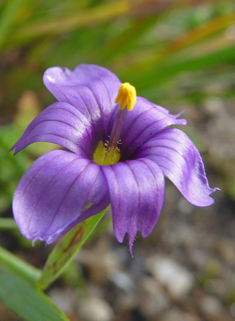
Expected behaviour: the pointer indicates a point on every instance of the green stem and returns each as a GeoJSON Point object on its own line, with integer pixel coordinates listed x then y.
{"type": "Point", "coordinates": [7, 224]}
{"type": "Point", "coordinates": [21, 268]}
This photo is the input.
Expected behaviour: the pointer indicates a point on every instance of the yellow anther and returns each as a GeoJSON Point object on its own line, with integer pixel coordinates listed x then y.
{"type": "Point", "coordinates": [126, 96]}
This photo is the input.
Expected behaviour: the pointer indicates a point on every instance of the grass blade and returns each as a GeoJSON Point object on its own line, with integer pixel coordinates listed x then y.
{"type": "Point", "coordinates": [65, 250]}
{"type": "Point", "coordinates": [26, 301]}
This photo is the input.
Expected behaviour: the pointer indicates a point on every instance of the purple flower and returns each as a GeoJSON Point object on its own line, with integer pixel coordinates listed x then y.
{"type": "Point", "coordinates": [113, 155]}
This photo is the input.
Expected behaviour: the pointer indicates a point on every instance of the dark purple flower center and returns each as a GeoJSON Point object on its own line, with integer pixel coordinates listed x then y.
{"type": "Point", "coordinates": [108, 153]}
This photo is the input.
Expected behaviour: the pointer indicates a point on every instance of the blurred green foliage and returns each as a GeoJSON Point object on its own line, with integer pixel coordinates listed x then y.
{"type": "Point", "coordinates": [171, 50]}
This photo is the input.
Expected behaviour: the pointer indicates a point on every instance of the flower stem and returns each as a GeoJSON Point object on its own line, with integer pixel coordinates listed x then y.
{"type": "Point", "coordinates": [7, 224]}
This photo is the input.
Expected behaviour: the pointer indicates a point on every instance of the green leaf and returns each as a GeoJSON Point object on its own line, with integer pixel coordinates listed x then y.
{"type": "Point", "coordinates": [65, 250]}
{"type": "Point", "coordinates": [53, 26]}
{"type": "Point", "coordinates": [25, 301]}
{"type": "Point", "coordinates": [167, 70]}
{"type": "Point", "coordinates": [24, 270]}
{"type": "Point", "coordinates": [8, 17]}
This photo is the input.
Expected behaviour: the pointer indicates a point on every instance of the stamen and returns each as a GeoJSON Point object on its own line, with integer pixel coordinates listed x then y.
{"type": "Point", "coordinates": [126, 96]}
{"type": "Point", "coordinates": [108, 153]}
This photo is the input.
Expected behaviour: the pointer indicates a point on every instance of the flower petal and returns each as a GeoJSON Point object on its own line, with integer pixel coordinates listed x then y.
{"type": "Point", "coordinates": [136, 192]}
{"type": "Point", "coordinates": [58, 191]}
{"type": "Point", "coordinates": [61, 124]}
{"type": "Point", "coordinates": [143, 122]}
{"type": "Point", "coordinates": [91, 89]}
{"type": "Point", "coordinates": [181, 162]}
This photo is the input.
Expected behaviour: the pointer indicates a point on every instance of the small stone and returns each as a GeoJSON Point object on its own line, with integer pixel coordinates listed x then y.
{"type": "Point", "coordinates": [217, 287]}
{"type": "Point", "coordinates": [214, 105]}
{"type": "Point", "coordinates": [127, 301]}
{"type": "Point", "coordinates": [182, 234]}
{"type": "Point", "coordinates": [177, 315]}
{"type": "Point", "coordinates": [173, 276]}
{"type": "Point", "coordinates": [232, 310]}
{"type": "Point", "coordinates": [94, 309]}
{"type": "Point", "coordinates": [213, 268]}
{"type": "Point", "coordinates": [211, 306]}
{"type": "Point", "coordinates": [227, 250]}
{"type": "Point", "coordinates": [153, 300]}
{"type": "Point", "coordinates": [122, 280]}
{"type": "Point", "coordinates": [199, 258]}
{"type": "Point", "coordinates": [64, 299]}
{"type": "Point", "coordinates": [99, 270]}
